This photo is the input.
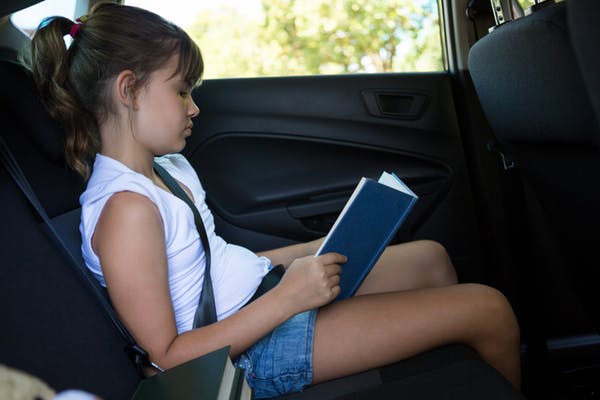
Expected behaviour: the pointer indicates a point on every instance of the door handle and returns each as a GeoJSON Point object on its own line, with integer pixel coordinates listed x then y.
{"type": "Point", "coordinates": [395, 104]}
{"type": "Point", "coordinates": [318, 215]}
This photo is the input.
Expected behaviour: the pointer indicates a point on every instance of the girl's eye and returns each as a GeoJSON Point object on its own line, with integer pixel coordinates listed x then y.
{"type": "Point", "coordinates": [184, 94]}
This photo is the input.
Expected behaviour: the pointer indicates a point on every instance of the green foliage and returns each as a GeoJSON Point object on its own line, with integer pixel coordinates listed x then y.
{"type": "Point", "coordinates": [525, 4]}
{"type": "Point", "coordinates": [300, 37]}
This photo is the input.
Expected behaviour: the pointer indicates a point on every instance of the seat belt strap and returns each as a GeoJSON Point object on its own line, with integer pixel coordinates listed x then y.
{"type": "Point", "coordinates": [206, 313]}
{"type": "Point", "coordinates": [269, 281]}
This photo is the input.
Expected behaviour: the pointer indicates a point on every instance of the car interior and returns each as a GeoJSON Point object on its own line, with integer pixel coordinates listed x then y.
{"type": "Point", "coordinates": [502, 147]}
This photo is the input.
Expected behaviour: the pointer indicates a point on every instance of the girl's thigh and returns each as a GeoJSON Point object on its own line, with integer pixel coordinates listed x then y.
{"type": "Point", "coordinates": [407, 266]}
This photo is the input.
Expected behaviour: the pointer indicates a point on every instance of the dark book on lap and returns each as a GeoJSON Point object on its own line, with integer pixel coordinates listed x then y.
{"type": "Point", "coordinates": [366, 225]}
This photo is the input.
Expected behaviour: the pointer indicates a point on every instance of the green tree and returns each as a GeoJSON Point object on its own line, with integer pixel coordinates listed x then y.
{"type": "Point", "coordinates": [297, 37]}
{"type": "Point", "coordinates": [229, 43]}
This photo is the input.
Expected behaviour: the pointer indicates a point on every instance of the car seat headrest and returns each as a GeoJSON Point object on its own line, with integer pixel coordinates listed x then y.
{"type": "Point", "coordinates": [529, 83]}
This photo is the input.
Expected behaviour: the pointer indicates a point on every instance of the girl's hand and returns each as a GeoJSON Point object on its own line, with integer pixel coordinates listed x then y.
{"type": "Point", "coordinates": [311, 282]}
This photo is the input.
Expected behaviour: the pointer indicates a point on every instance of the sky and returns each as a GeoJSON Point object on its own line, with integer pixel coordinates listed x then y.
{"type": "Point", "coordinates": [181, 12]}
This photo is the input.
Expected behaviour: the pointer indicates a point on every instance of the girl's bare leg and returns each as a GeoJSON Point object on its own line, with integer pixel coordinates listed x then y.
{"type": "Point", "coordinates": [412, 265]}
{"type": "Point", "coordinates": [368, 331]}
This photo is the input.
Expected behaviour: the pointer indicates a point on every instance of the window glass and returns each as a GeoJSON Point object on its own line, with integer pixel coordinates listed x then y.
{"type": "Point", "coordinates": [27, 20]}
{"type": "Point", "coordinates": [525, 4]}
{"type": "Point", "coordinates": [247, 38]}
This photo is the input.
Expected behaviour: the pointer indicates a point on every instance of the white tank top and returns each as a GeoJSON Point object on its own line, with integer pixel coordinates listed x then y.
{"type": "Point", "coordinates": [236, 272]}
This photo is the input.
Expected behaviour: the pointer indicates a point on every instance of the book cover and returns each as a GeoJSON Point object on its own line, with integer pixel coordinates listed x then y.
{"type": "Point", "coordinates": [211, 376]}
{"type": "Point", "coordinates": [366, 225]}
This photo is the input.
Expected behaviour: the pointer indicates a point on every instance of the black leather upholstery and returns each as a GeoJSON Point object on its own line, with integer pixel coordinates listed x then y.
{"type": "Point", "coordinates": [535, 99]}
{"type": "Point", "coordinates": [584, 25]}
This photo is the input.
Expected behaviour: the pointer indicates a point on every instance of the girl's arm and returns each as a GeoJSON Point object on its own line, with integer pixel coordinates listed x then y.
{"type": "Point", "coordinates": [286, 255]}
{"type": "Point", "coordinates": [129, 239]}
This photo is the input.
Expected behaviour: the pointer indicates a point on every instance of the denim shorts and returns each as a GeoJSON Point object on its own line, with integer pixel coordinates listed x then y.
{"type": "Point", "coordinates": [281, 362]}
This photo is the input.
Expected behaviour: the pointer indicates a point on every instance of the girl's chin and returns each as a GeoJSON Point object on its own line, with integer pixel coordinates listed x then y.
{"type": "Point", "coordinates": [174, 148]}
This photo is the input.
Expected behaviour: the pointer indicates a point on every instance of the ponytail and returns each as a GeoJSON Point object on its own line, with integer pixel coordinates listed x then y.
{"type": "Point", "coordinates": [50, 64]}
{"type": "Point", "coordinates": [74, 83]}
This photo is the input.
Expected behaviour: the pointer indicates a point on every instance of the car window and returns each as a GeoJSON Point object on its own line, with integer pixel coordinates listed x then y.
{"type": "Point", "coordinates": [246, 38]}
{"type": "Point", "coordinates": [27, 20]}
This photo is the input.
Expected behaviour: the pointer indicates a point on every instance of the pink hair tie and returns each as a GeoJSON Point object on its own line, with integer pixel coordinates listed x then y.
{"type": "Point", "coordinates": [74, 30]}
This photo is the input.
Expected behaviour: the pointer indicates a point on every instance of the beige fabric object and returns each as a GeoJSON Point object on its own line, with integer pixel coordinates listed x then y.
{"type": "Point", "coordinates": [19, 385]}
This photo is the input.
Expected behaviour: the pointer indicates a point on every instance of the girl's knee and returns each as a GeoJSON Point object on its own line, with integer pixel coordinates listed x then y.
{"type": "Point", "coordinates": [437, 260]}
{"type": "Point", "coordinates": [495, 311]}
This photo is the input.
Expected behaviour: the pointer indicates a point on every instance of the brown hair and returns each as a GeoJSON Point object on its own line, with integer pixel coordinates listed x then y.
{"type": "Point", "coordinates": [74, 83]}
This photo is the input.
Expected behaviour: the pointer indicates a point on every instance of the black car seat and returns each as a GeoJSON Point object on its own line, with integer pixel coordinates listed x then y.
{"type": "Point", "coordinates": [584, 25]}
{"type": "Point", "coordinates": [52, 326]}
{"type": "Point", "coordinates": [533, 95]}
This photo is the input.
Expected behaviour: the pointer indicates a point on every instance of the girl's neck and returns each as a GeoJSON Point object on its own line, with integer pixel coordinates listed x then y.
{"type": "Point", "coordinates": [142, 165]}
{"type": "Point", "coordinates": [120, 147]}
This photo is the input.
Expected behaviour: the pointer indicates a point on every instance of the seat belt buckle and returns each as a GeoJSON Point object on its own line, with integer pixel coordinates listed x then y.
{"type": "Point", "coordinates": [140, 358]}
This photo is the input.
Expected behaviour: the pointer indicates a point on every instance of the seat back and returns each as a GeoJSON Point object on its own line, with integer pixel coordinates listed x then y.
{"type": "Point", "coordinates": [584, 25]}
{"type": "Point", "coordinates": [531, 90]}
{"type": "Point", "coordinates": [52, 325]}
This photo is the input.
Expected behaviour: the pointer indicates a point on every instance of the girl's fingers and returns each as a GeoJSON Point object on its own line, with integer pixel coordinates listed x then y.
{"type": "Point", "coordinates": [333, 269]}
{"type": "Point", "coordinates": [334, 280]}
{"type": "Point", "coordinates": [335, 291]}
{"type": "Point", "coordinates": [332, 258]}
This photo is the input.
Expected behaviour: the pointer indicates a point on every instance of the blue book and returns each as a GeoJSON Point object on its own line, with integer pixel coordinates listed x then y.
{"type": "Point", "coordinates": [366, 225]}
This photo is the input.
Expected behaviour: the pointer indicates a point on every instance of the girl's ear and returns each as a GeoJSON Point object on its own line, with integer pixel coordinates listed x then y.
{"type": "Point", "coordinates": [125, 87]}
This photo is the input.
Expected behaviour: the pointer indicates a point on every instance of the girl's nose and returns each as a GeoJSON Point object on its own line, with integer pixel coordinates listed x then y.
{"type": "Point", "coordinates": [193, 110]}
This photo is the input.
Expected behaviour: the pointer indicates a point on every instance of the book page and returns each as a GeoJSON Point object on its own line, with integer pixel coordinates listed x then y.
{"type": "Point", "coordinates": [392, 180]}
{"type": "Point", "coordinates": [227, 380]}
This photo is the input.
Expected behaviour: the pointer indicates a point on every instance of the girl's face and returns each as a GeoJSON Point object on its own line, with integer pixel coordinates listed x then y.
{"type": "Point", "coordinates": [164, 109]}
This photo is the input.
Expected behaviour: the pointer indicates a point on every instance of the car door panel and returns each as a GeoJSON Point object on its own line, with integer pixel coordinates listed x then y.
{"type": "Point", "coordinates": [279, 157]}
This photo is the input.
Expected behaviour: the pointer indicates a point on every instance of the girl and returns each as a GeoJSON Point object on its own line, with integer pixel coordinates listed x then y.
{"type": "Point", "coordinates": [123, 92]}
